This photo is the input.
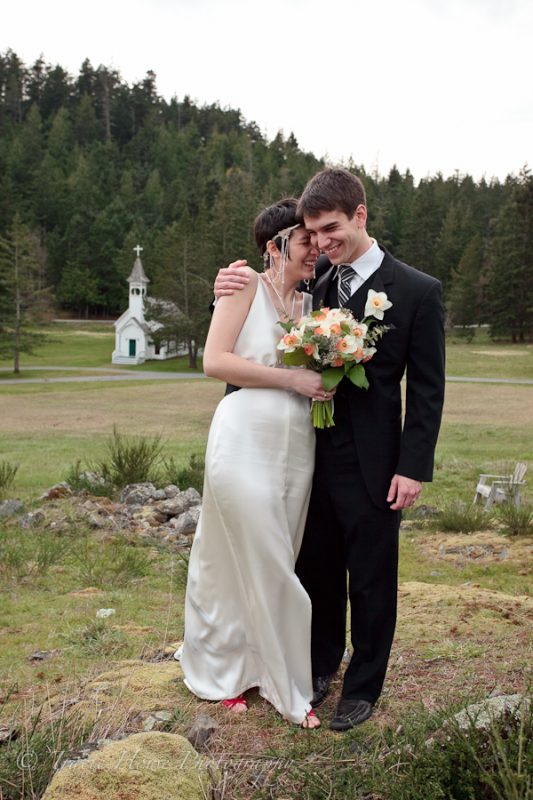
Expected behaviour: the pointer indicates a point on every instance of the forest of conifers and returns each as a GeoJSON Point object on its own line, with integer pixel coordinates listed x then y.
{"type": "Point", "coordinates": [90, 166]}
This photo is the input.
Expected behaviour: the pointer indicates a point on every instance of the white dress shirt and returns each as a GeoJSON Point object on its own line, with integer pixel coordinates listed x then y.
{"type": "Point", "coordinates": [365, 266]}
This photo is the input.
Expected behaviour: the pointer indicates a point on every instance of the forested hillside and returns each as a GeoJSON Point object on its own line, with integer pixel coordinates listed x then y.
{"type": "Point", "coordinates": [90, 165]}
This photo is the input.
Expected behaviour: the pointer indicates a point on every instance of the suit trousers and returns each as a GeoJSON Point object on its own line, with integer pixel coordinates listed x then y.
{"type": "Point", "coordinates": [347, 535]}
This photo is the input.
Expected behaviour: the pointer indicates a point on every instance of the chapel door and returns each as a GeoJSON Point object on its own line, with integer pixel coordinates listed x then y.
{"type": "Point", "coordinates": [133, 347]}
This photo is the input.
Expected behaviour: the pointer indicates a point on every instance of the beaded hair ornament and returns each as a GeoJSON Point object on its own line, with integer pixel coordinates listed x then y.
{"type": "Point", "coordinates": [268, 260]}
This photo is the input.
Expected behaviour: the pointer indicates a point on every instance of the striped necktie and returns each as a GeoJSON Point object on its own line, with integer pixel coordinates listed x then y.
{"type": "Point", "coordinates": [344, 288]}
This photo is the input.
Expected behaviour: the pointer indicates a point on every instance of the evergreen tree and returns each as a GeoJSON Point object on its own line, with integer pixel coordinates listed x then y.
{"type": "Point", "coordinates": [466, 294]}
{"type": "Point", "coordinates": [78, 289]}
{"type": "Point", "coordinates": [510, 273]}
{"type": "Point", "coordinates": [456, 231]}
{"type": "Point", "coordinates": [24, 297]}
{"type": "Point", "coordinates": [96, 165]}
{"type": "Point", "coordinates": [233, 217]}
{"type": "Point", "coordinates": [182, 287]}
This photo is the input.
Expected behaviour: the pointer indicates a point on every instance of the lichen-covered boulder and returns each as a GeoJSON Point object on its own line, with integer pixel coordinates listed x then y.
{"type": "Point", "coordinates": [483, 715]}
{"type": "Point", "coordinates": [144, 766]}
{"type": "Point", "coordinates": [120, 700]}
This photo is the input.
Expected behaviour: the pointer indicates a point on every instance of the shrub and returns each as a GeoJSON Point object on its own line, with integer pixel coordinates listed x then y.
{"type": "Point", "coordinates": [109, 564]}
{"type": "Point", "coordinates": [7, 475]}
{"type": "Point", "coordinates": [185, 477]}
{"type": "Point", "coordinates": [460, 517]}
{"type": "Point", "coordinates": [31, 553]}
{"type": "Point", "coordinates": [493, 764]}
{"type": "Point", "coordinates": [97, 638]}
{"type": "Point", "coordinates": [30, 758]}
{"type": "Point", "coordinates": [83, 480]}
{"type": "Point", "coordinates": [131, 459]}
{"type": "Point", "coordinates": [516, 520]}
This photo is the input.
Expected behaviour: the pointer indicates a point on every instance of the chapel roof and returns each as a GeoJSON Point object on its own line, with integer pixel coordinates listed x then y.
{"type": "Point", "coordinates": [137, 273]}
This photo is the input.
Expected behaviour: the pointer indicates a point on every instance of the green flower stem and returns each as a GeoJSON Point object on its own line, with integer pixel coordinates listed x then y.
{"type": "Point", "coordinates": [322, 414]}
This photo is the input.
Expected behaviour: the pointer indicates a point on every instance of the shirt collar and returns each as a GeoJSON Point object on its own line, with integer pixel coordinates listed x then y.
{"type": "Point", "coordinates": [368, 263]}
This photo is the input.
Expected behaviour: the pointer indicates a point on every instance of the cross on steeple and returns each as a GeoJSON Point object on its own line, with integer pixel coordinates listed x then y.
{"type": "Point", "coordinates": [138, 249]}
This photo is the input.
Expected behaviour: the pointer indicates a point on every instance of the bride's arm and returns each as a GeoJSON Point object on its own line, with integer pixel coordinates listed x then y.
{"type": "Point", "coordinates": [220, 362]}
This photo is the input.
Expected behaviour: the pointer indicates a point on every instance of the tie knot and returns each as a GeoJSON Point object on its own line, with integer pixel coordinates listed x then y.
{"type": "Point", "coordinates": [344, 288]}
{"type": "Point", "coordinates": [345, 272]}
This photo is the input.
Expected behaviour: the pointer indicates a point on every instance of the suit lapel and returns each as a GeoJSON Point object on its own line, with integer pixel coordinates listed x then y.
{"type": "Point", "coordinates": [378, 281]}
{"type": "Point", "coordinates": [322, 287]}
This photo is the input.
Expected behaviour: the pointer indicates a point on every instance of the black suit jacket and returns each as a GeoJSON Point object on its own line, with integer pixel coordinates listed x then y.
{"type": "Point", "coordinates": [415, 346]}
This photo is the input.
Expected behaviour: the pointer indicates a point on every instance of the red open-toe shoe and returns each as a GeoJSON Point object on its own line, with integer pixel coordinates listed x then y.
{"type": "Point", "coordinates": [311, 721]}
{"type": "Point", "coordinates": [236, 704]}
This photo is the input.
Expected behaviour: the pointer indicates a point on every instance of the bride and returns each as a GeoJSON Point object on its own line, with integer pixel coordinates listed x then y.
{"type": "Point", "coordinates": [247, 616]}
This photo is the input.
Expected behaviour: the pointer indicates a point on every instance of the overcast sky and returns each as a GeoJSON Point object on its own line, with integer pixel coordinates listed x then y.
{"type": "Point", "coordinates": [429, 85]}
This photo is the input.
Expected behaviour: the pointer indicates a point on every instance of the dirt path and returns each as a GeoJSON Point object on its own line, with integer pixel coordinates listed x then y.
{"type": "Point", "coordinates": [117, 374]}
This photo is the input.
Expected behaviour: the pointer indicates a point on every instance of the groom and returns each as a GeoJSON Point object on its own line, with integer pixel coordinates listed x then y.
{"type": "Point", "coordinates": [368, 466]}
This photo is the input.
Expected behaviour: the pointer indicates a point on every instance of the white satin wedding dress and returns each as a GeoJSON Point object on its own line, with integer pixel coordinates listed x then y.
{"type": "Point", "coordinates": [247, 616]}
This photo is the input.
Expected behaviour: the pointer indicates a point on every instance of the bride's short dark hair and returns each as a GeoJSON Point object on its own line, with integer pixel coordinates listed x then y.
{"type": "Point", "coordinates": [273, 219]}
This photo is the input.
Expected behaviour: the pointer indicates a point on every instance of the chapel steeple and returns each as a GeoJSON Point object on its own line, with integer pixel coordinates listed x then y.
{"type": "Point", "coordinates": [138, 283]}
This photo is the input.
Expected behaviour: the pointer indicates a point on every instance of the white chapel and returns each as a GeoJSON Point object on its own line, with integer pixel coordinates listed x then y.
{"type": "Point", "coordinates": [133, 342]}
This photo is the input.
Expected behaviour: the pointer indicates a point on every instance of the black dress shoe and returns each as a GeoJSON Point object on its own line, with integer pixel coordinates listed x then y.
{"type": "Point", "coordinates": [350, 713]}
{"type": "Point", "coordinates": [320, 688]}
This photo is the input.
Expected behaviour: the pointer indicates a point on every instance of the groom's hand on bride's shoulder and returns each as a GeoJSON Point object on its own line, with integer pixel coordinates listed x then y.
{"type": "Point", "coordinates": [231, 278]}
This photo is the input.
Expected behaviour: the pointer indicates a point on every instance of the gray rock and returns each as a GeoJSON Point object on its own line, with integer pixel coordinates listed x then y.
{"type": "Point", "coordinates": [137, 493]}
{"type": "Point", "coordinates": [103, 613]}
{"type": "Point", "coordinates": [156, 720]}
{"type": "Point", "coordinates": [8, 734]}
{"type": "Point", "coordinates": [154, 765]}
{"type": "Point", "coordinates": [10, 507]}
{"type": "Point", "coordinates": [483, 715]}
{"type": "Point", "coordinates": [195, 512]}
{"type": "Point", "coordinates": [81, 753]}
{"type": "Point", "coordinates": [171, 490]}
{"type": "Point", "coordinates": [40, 655]}
{"type": "Point", "coordinates": [174, 506]}
{"type": "Point", "coordinates": [159, 494]}
{"type": "Point", "coordinates": [193, 497]}
{"type": "Point", "coordinates": [424, 512]}
{"type": "Point", "coordinates": [32, 519]}
{"type": "Point", "coordinates": [201, 730]}
{"type": "Point", "coordinates": [93, 477]}
{"type": "Point", "coordinates": [96, 521]}
{"type": "Point", "coordinates": [186, 523]}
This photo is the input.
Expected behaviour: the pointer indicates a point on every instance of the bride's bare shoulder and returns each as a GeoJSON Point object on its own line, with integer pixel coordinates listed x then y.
{"type": "Point", "coordinates": [252, 274]}
{"type": "Point", "coordinates": [253, 278]}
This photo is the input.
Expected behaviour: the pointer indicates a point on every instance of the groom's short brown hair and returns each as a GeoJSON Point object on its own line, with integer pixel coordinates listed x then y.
{"type": "Point", "coordinates": [332, 189]}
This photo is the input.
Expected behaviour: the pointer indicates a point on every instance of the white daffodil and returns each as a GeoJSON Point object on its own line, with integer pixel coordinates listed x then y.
{"type": "Point", "coordinates": [359, 329]}
{"type": "Point", "coordinates": [349, 344]}
{"type": "Point", "coordinates": [376, 304]}
{"type": "Point", "coordinates": [289, 342]}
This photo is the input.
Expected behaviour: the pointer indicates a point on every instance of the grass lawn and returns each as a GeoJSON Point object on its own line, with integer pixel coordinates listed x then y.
{"type": "Point", "coordinates": [89, 345]}
{"type": "Point", "coordinates": [47, 428]}
{"type": "Point", "coordinates": [483, 358]}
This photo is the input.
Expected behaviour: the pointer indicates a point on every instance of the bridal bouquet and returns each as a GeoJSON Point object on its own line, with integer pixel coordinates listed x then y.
{"type": "Point", "coordinates": [333, 342]}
